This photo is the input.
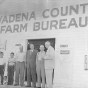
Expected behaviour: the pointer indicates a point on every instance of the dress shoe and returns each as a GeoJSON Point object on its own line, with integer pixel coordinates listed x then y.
{"type": "Point", "coordinates": [27, 86]}
{"type": "Point", "coordinates": [15, 84]}
{"type": "Point", "coordinates": [34, 86]}
{"type": "Point", "coordinates": [21, 85]}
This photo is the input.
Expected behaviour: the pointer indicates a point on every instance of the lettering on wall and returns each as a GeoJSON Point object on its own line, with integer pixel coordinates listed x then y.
{"type": "Point", "coordinates": [55, 18]}
{"type": "Point", "coordinates": [63, 45]}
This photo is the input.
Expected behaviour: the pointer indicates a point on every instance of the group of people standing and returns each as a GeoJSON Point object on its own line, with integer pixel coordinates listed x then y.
{"type": "Point", "coordinates": [40, 63]}
{"type": "Point", "coordinates": [7, 66]}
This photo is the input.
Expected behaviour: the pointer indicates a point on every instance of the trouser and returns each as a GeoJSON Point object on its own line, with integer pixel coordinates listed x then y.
{"type": "Point", "coordinates": [10, 74]}
{"type": "Point", "coordinates": [40, 73]}
{"type": "Point", "coordinates": [20, 71]}
{"type": "Point", "coordinates": [31, 74]}
{"type": "Point", "coordinates": [49, 76]}
{"type": "Point", "coordinates": [2, 73]}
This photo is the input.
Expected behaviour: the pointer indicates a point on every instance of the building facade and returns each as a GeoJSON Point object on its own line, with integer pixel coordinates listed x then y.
{"type": "Point", "coordinates": [64, 21]}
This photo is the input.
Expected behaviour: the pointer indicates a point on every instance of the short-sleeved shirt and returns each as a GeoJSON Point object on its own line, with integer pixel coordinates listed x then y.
{"type": "Point", "coordinates": [2, 61]}
{"type": "Point", "coordinates": [21, 56]}
{"type": "Point", "coordinates": [11, 61]}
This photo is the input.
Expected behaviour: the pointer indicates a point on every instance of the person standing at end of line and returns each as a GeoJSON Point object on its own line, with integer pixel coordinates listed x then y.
{"type": "Point", "coordinates": [20, 67]}
{"type": "Point", "coordinates": [2, 66]}
{"type": "Point", "coordinates": [40, 68]}
{"type": "Point", "coordinates": [49, 63]}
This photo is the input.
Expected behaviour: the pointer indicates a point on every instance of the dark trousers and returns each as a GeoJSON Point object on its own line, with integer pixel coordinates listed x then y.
{"type": "Point", "coordinates": [31, 74]}
{"type": "Point", "coordinates": [10, 75]}
{"type": "Point", "coordinates": [1, 73]}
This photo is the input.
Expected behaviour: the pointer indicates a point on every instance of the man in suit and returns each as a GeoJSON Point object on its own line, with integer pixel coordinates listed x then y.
{"type": "Point", "coordinates": [31, 66]}
{"type": "Point", "coordinates": [49, 63]}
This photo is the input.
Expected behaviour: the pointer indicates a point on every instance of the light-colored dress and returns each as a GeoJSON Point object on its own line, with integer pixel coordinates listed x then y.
{"type": "Point", "coordinates": [40, 68]}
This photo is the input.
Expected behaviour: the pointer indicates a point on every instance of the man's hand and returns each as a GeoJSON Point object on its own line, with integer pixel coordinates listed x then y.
{"type": "Point", "coordinates": [46, 57]}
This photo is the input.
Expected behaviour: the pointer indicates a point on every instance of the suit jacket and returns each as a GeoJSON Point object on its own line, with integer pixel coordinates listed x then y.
{"type": "Point", "coordinates": [31, 58]}
{"type": "Point", "coordinates": [50, 58]}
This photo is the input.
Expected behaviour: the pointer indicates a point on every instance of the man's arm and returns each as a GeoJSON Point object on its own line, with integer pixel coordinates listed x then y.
{"type": "Point", "coordinates": [15, 65]}
{"type": "Point", "coordinates": [37, 57]}
{"type": "Point", "coordinates": [5, 64]}
{"type": "Point", "coordinates": [50, 55]}
{"type": "Point", "coordinates": [16, 56]}
{"type": "Point", "coordinates": [26, 63]}
{"type": "Point", "coordinates": [27, 55]}
{"type": "Point", "coordinates": [24, 58]}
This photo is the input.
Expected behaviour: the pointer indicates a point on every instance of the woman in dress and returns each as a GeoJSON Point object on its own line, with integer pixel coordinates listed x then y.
{"type": "Point", "coordinates": [40, 67]}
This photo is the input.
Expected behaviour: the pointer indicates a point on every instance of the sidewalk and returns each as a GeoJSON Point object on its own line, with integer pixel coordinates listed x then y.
{"type": "Point", "coordinates": [11, 86]}
{"type": "Point", "coordinates": [8, 86]}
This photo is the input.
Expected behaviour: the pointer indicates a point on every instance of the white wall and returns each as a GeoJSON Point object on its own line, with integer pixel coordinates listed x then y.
{"type": "Point", "coordinates": [80, 77]}
{"type": "Point", "coordinates": [75, 38]}
{"type": "Point", "coordinates": [11, 46]}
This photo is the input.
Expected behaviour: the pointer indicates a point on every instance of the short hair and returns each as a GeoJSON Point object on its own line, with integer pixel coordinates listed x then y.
{"type": "Point", "coordinates": [32, 44]}
{"type": "Point", "coordinates": [20, 47]}
{"type": "Point", "coordinates": [42, 46]}
{"type": "Point", "coordinates": [12, 53]}
{"type": "Point", "coordinates": [48, 42]}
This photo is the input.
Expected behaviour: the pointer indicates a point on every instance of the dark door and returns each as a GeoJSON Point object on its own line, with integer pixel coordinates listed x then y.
{"type": "Point", "coordinates": [38, 42]}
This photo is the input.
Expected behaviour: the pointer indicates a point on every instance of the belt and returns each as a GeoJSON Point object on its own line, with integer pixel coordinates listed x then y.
{"type": "Point", "coordinates": [19, 61]}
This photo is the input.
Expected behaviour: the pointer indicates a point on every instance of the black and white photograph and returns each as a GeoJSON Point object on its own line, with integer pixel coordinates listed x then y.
{"type": "Point", "coordinates": [43, 44]}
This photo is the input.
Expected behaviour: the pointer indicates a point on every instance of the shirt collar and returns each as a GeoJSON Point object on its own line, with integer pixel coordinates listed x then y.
{"type": "Point", "coordinates": [32, 50]}
{"type": "Point", "coordinates": [21, 52]}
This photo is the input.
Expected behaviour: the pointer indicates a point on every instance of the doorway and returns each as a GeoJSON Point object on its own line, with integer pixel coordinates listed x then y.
{"type": "Point", "coordinates": [37, 43]}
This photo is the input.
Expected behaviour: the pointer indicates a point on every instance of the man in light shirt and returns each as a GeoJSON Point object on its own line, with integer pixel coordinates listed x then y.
{"type": "Point", "coordinates": [49, 63]}
{"type": "Point", "coordinates": [20, 67]}
{"type": "Point", "coordinates": [2, 66]}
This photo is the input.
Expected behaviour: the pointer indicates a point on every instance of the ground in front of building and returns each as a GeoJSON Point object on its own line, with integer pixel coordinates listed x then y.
{"type": "Point", "coordinates": [9, 86]}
